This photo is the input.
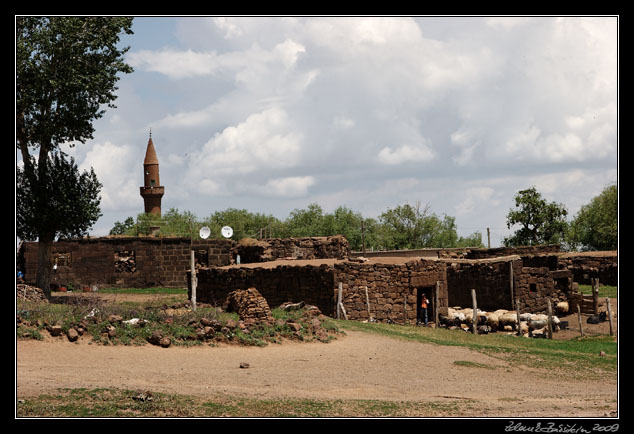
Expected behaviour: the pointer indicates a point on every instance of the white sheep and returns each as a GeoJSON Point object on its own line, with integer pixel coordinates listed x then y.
{"type": "Point", "coordinates": [562, 307]}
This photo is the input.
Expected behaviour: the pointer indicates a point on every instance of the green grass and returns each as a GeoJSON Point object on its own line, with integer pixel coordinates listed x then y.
{"type": "Point", "coordinates": [116, 403]}
{"type": "Point", "coordinates": [604, 291]}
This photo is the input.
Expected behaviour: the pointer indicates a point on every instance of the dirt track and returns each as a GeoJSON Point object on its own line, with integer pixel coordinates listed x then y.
{"type": "Point", "coordinates": [358, 366]}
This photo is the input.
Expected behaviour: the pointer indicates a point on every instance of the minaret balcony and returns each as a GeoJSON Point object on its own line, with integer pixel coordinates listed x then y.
{"type": "Point", "coordinates": [156, 191]}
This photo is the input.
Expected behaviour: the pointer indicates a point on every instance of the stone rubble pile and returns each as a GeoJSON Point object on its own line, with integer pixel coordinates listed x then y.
{"type": "Point", "coordinates": [30, 293]}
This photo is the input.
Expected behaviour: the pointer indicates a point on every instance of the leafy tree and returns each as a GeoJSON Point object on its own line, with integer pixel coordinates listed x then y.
{"type": "Point", "coordinates": [244, 223]}
{"type": "Point", "coordinates": [64, 204]}
{"type": "Point", "coordinates": [540, 222]}
{"type": "Point", "coordinates": [305, 222]}
{"type": "Point", "coordinates": [473, 240]}
{"type": "Point", "coordinates": [66, 71]}
{"type": "Point", "coordinates": [595, 227]}
{"type": "Point", "coordinates": [125, 228]}
{"type": "Point", "coordinates": [410, 227]}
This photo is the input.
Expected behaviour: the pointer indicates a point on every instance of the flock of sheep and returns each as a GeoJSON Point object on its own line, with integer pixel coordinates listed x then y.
{"type": "Point", "coordinates": [530, 324]}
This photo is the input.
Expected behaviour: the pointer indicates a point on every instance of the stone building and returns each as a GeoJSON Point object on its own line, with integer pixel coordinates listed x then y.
{"type": "Point", "coordinates": [381, 289]}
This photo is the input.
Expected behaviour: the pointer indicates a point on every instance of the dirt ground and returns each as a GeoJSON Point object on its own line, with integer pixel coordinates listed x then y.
{"type": "Point", "coordinates": [357, 366]}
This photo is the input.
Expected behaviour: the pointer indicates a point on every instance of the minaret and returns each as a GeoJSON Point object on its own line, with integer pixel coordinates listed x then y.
{"type": "Point", "coordinates": [152, 191]}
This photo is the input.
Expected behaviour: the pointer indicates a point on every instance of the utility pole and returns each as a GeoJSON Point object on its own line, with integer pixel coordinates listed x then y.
{"type": "Point", "coordinates": [489, 237]}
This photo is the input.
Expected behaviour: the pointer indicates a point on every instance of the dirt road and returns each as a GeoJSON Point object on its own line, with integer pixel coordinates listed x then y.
{"type": "Point", "coordinates": [357, 366]}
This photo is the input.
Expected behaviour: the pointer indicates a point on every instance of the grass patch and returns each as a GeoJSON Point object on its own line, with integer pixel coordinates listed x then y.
{"type": "Point", "coordinates": [604, 291]}
{"type": "Point", "coordinates": [114, 403]}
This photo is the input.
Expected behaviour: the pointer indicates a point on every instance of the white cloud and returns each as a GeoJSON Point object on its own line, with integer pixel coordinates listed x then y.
{"type": "Point", "coordinates": [118, 169]}
{"type": "Point", "coordinates": [476, 198]}
{"type": "Point", "coordinates": [508, 23]}
{"type": "Point", "coordinates": [293, 186]}
{"type": "Point", "coordinates": [181, 64]}
{"type": "Point", "coordinates": [263, 142]}
{"type": "Point", "coordinates": [405, 154]}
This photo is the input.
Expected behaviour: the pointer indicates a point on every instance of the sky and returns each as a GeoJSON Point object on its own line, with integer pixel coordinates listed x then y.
{"type": "Point", "coordinates": [271, 114]}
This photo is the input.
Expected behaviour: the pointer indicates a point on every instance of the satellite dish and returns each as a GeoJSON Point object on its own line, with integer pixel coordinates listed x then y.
{"type": "Point", "coordinates": [227, 232]}
{"type": "Point", "coordinates": [204, 232]}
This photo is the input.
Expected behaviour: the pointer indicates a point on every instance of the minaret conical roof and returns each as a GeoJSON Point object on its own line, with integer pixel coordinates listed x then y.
{"type": "Point", "coordinates": [150, 153]}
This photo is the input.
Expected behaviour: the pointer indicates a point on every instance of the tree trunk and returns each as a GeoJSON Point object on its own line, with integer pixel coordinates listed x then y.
{"type": "Point", "coordinates": [43, 279]}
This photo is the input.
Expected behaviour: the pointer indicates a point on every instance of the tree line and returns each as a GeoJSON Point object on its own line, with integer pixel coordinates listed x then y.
{"type": "Point", "coordinates": [403, 227]}
{"type": "Point", "coordinates": [533, 220]}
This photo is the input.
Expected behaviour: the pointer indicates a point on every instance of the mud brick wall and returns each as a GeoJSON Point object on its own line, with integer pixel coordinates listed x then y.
{"type": "Point", "coordinates": [270, 249]}
{"type": "Point", "coordinates": [509, 251]}
{"type": "Point", "coordinates": [491, 280]}
{"type": "Point", "coordinates": [311, 284]}
{"type": "Point", "coordinates": [126, 261]}
{"type": "Point", "coordinates": [393, 289]}
{"type": "Point", "coordinates": [588, 265]}
{"type": "Point", "coordinates": [535, 279]}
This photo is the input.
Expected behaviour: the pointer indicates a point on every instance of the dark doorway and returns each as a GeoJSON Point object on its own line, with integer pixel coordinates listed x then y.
{"type": "Point", "coordinates": [430, 293]}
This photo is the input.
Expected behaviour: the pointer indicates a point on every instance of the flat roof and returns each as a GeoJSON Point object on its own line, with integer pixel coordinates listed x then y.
{"type": "Point", "coordinates": [387, 260]}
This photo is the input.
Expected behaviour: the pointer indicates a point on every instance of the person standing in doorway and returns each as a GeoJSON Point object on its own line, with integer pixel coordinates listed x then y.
{"type": "Point", "coordinates": [423, 309]}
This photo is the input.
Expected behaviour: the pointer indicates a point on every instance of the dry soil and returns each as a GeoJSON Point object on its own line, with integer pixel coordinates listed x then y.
{"type": "Point", "coordinates": [357, 366]}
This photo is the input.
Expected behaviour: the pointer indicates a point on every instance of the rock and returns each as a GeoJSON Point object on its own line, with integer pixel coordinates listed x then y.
{"type": "Point", "coordinates": [55, 330]}
{"type": "Point", "coordinates": [112, 331]}
{"type": "Point", "coordinates": [115, 319]}
{"type": "Point", "coordinates": [294, 326]}
{"type": "Point", "coordinates": [165, 342]}
{"type": "Point", "coordinates": [601, 353]}
{"type": "Point", "coordinates": [244, 365]}
{"type": "Point", "coordinates": [156, 337]}
{"type": "Point", "coordinates": [72, 334]}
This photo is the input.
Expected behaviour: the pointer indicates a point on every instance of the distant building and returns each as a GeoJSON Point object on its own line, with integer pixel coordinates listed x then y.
{"type": "Point", "coordinates": [152, 190]}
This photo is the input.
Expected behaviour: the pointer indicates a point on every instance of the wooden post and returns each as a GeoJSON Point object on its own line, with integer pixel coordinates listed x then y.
{"type": "Point", "coordinates": [405, 308]}
{"type": "Point", "coordinates": [511, 281]}
{"type": "Point", "coordinates": [367, 302]}
{"type": "Point", "coordinates": [519, 322]}
{"type": "Point", "coordinates": [595, 295]}
{"type": "Point", "coordinates": [579, 317]}
{"type": "Point", "coordinates": [343, 310]}
{"type": "Point", "coordinates": [550, 319]}
{"type": "Point", "coordinates": [489, 237]}
{"type": "Point", "coordinates": [339, 304]}
{"type": "Point", "coordinates": [194, 279]}
{"type": "Point", "coordinates": [363, 236]}
{"type": "Point", "coordinates": [436, 307]}
{"type": "Point", "coordinates": [475, 312]}
{"type": "Point", "coordinates": [607, 303]}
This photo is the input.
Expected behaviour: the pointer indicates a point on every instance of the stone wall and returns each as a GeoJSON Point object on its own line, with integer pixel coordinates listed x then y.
{"type": "Point", "coordinates": [587, 265]}
{"type": "Point", "coordinates": [271, 249]}
{"type": "Point", "coordinates": [393, 289]}
{"type": "Point", "coordinates": [126, 261]}
{"type": "Point", "coordinates": [311, 284]}
{"type": "Point", "coordinates": [535, 279]}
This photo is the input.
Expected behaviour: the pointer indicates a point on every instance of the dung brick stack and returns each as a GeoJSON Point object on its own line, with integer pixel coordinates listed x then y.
{"type": "Point", "coordinates": [249, 305]}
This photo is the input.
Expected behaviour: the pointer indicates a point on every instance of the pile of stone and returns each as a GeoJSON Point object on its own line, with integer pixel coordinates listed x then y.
{"type": "Point", "coordinates": [249, 305]}
{"type": "Point", "coordinates": [30, 293]}
{"type": "Point", "coordinates": [124, 262]}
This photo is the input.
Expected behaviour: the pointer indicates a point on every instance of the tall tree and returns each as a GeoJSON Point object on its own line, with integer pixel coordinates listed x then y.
{"type": "Point", "coordinates": [540, 222]}
{"type": "Point", "coordinates": [595, 227]}
{"type": "Point", "coordinates": [66, 71]}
